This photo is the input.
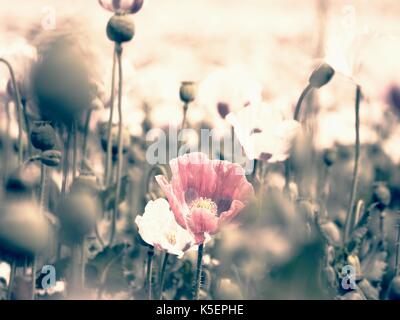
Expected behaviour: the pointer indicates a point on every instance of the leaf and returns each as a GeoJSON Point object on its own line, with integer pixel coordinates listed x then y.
{"type": "Point", "coordinates": [105, 269]}
{"type": "Point", "coordinates": [107, 196]}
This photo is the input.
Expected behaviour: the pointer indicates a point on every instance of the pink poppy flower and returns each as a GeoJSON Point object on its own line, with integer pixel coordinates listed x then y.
{"type": "Point", "coordinates": [122, 6]}
{"type": "Point", "coordinates": [205, 194]}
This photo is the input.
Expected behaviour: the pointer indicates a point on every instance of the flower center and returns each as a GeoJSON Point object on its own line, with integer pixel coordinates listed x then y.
{"type": "Point", "coordinates": [204, 203]}
{"type": "Point", "coordinates": [171, 238]}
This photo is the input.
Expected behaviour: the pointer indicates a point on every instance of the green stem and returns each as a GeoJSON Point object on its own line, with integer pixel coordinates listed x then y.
{"type": "Point", "coordinates": [183, 124]}
{"type": "Point", "coordinates": [85, 137]}
{"type": "Point", "coordinates": [42, 196]}
{"type": "Point", "coordinates": [162, 276]}
{"type": "Point", "coordinates": [296, 117]}
{"type": "Point", "coordinates": [74, 149]}
{"type": "Point", "coordinates": [149, 275]}
{"type": "Point", "coordinates": [65, 162]}
{"type": "Point", "coordinates": [198, 272]}
{"type": "Point", "coordinates": [109, 127]}
{"type": "Point", "coordinates": [120, 159]}
{"type": "Point", "coordinates": [17, 100]}
{"type": "Point", "coordinates": [27, 125]}
{"type": "Point", "coordinates": [350, 210]}
{"type": "Point", "coordinates": [33, 277]}
{"type": "Point", "coordinates": [6, 142]}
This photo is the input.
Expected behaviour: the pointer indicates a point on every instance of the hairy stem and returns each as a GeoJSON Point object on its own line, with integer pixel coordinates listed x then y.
{"type": "Point", "coordinates": [162, 276]}
{"type": "Point", "coordinates": [109, 126]}
{"type": "Point", "coordinates": [120, 158]}
{"type": "Point", "coordinates": [85, 137]}
{"type": "Point", "coordinates": [65, 162]}
{"type": "Point", "coordinates": [149, 272]}
{"type": "Point", "coordinates": [199, 268]}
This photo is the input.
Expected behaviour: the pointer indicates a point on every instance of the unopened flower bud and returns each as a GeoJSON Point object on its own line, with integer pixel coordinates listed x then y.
{"type": "Point", "coordinates": [321, 75]}
{"type": "Point", "coordinates": [43, 136]}
{"type": "Point", "coordinates": [126, 139]}
{"type": "Point", "coordinates": [120, 28]}
{"type": "Point", "coordinates": [329, 156]}
{"type": "Point", "coordinates": [51, 158]}
{"type": "Point", "coordinates": [188, 91]}
{"type": "Point", "coordinates": [381, 196]}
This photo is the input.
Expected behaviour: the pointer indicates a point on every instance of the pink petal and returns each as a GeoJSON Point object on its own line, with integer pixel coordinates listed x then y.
{"type": "Point", "coordinates": [177, 207]}
{"type": "Point", "coordinates": [202, 221]}
{"type": "Point", "coordinates": [229, 215]}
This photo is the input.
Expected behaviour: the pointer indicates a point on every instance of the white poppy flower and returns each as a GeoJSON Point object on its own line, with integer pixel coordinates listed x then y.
{"type": "Point", "coordinates": [263, 132]}
{"type": "Point", "coordinates": [158, 227]}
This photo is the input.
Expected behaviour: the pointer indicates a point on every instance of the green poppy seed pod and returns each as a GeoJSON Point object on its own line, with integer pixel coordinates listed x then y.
{"type": "Point", "coordinates": [23, 230]}
{"type": "Point", "coordinates": [77, 213]}
{"type": "Point", "coordinates": [381, 195]}
{"type": "Point", "coordinates": [86, 182]}
{"type": "Point", "coordinates": [321, 75]}
{"type": "Point", "coordinates": [51, 158]}
{"type": "Point", "coordinates": [188, 91]}
{"type": "Point", "coordinates": [120, 28]}
{"type": "Point", "coordinates": [43, 136]}
{"type": "Point", "coordinates": [329, 157]}
{"type": "Point", "coordinates": [394, 289]}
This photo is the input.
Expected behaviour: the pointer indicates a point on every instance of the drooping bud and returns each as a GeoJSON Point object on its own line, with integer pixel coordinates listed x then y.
{"type": "Point", "coordinates": [321, 75]}
{"type": "Point", "coordinates": [188, 91]}
{"type": "Point", "coordinates": [126, 139]}
{"type": "Point", "coordinates": [43, 136]}
{"type": "Point", "coordinates": [120, 28]}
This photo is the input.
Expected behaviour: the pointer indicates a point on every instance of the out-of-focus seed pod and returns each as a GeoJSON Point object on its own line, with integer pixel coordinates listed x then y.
{"type": "Point", "coordinates": [60, 81]}
{"type": "Point", "coordinates": [126, 139]}
{"type": "Point", "coordinates": [228, 290]}
{"type": "Point", "coordinates": [188, 91]}
{"type": "Point", "coordinates": [86, 182]}
{"type": "Point", "coordinates": [331, 232]}
{"type": "Point", "coordinates": [77, 213]}
{"type": "Point", "coordinates": [120, 28]}
{"type": "Point", "coordinates": [23, 230]}
{"type": "Point", "coordinates": [24, 179]}
{"type": "Point", "coordinates": [51, 158]}
{"type": "Point", "coordinates": [381, 196]}
{"type": "Point", "coordinates": [329, 157]}
{"type": "Point", "coordinates": [43, 136]}
{"type": "Point", "coordinates": [394, 289]}
{"type": "Point", "coordinates": [321, 75]}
